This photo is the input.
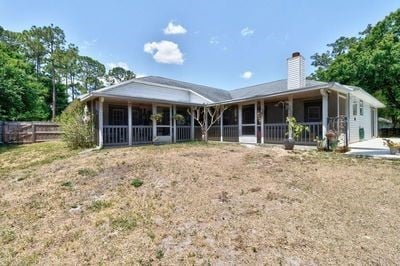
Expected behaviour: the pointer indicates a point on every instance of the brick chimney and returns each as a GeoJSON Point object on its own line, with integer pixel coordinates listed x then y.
{"type": "Point", "coordinates": [296, 72]}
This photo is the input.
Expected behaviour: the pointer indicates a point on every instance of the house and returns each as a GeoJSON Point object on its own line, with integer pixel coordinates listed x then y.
{"type": "Point", "coordinates": [254, 114]}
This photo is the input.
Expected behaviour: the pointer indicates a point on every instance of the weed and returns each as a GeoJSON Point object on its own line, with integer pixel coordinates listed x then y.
{"type": "Point", "coordinates": [7, 236]}
{"type": "Point", "coordinates": [67, 184]}
{"type": "Point", "coordinates": [159, 254]}
{"type": "Point", "coordinates": [98, 205]}
{"type": "Point", "coordinates": [123, 223]}
{"type": "Point", "coordinates": [136, 182]}
{"type": "Point", "coordinates": [87, 172]}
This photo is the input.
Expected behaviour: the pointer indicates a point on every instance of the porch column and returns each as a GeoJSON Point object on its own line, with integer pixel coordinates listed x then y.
{"type": "Point", "coordinates": [255, 120]}
{"type": "Point", "coordinates": [206, 123]}
{"type": "Point", "coordinates": [324, 112]}
{"type": "Point", "coordinates": [174, 122]}
{"type": "Point", "coordinates": [129, 123]}
{"type": "Point", "coordinates": [192, 123]}
{"type": "Point", "coordinates": [290, 114]}
{"type": "Point", "coordinates": [221, 124]}
{"type": "Point", "coordinates": [262, 121]}
{"type": "Point", "coordinates": [101, 122]}
{"type": "Point", "coordinates": [240, 119]}
{"type": "Point", "coordinates": [154, 111]}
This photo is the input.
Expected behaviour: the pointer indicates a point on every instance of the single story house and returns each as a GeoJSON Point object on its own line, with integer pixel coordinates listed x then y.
{"type": "Point", "coordinates": [255, 114]}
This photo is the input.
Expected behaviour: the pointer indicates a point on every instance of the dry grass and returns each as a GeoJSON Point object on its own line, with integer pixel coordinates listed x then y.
{"type": "Point", "coordinates": [198, 204]}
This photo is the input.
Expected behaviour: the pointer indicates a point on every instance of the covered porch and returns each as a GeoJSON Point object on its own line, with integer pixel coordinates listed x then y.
{"type": "Point", "coordinates": [123, 122]}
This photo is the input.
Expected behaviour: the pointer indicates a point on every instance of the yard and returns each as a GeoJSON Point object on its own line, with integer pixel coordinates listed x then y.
{"type": "Point", "coordinates": [196, 204]}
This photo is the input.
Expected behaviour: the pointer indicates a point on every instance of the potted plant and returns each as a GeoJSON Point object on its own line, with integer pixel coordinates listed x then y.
{"type": "Point", "coordinates": [296, 129]}
{"type": "Point", "coordinates": [156, 117]}
{"type": "Point", "coordinates": [394, 147]}
{"type": "Point", "coordinates": [179, 118]}
{"type": "Point", "coordinates": [321, 143]}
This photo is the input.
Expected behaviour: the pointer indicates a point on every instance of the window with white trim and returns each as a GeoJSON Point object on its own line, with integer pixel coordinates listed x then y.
{"type": "Point", "coordinates": [361, 107]}
{"type": "Point", "coordinates": [355, 107]}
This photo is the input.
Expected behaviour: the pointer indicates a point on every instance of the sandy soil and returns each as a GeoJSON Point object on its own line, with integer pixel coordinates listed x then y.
{"type": "Point", "coordinates": [199, 204]}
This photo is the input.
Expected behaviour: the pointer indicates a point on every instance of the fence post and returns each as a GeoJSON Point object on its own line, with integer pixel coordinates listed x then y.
{"type": "Point", "coordinates": [33, 132]}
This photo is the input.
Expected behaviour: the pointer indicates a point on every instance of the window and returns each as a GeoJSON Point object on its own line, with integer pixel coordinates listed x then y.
{"type": "Point", "coordinates": [361, 107]}
{"type": "Point", "coordinates": [355, 107]}
{"type": "Point", "coordinates": [141, 116]}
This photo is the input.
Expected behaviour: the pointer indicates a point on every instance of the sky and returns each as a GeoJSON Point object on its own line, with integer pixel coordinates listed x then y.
{"type": "Point", "coordinates": [219, 43]}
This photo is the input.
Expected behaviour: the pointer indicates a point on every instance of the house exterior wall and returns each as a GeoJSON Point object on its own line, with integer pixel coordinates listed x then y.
{"type": "Point", "coordinates": [359, 121]}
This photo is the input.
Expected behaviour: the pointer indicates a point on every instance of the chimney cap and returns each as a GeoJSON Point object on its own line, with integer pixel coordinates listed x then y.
{"type": "Point", "coordinates": [295, 54]}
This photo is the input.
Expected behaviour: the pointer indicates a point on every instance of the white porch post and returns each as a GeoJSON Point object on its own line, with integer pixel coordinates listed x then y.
{"type": "Point", "coordinates": [206, 123]}
{"type": "Point", "coordinates": [262, 121]}
{"type": "Point", "coordinates": [154, 111]}
{"type": "Point", "coordinates": [192, 123]}
{"type": "Point", "coordinates": [221, 124]}
{"type": "Point", "coordinates": [101, 122]}
{"type": "Point", "coordinates": [324, 112]}
{"type": "Point", "coordinates": [240, 119]}
{"type": "Point", "coordinates": [174, 121]}
{"type": "Point", "coordinates": [129, 123]}
{"type": "Point", "coordinates": [255, 120]}
{"type": "Point", "coordinates": [290, 114]}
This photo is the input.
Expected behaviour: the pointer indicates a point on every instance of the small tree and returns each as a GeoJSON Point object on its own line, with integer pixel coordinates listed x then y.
{"type": "Point", "coordinates": [77, 125]}
{"type": "Point", "coordinates": [201, 113]}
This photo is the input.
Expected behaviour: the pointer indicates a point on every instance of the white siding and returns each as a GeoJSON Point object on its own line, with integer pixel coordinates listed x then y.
{"type": "Point", "coordinates": [359, 121]}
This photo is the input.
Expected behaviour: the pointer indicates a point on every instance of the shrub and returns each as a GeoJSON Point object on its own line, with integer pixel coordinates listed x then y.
{"type": "Point", "coordinates": [136, 182]}
{"type": "Point", "coordinates": [77, 126]}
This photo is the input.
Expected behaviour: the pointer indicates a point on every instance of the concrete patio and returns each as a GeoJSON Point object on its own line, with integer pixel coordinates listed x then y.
{"type": "Point", "coordinates": [373, 148]}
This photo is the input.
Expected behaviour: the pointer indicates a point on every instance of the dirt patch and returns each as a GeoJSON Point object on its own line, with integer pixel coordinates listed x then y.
{"type": "Point", "coordinates": [198, 204]}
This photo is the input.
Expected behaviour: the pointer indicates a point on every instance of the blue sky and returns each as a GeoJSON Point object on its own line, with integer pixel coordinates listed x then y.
{"type": "Point", "coordinates": [217, 42]}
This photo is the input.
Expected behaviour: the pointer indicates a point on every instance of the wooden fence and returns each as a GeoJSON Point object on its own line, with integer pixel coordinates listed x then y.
{"type": "Point", "coordinates": [28, 132]}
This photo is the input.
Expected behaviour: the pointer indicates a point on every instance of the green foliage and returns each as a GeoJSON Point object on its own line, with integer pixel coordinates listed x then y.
{"type": "Point", "coordinates": [98, 205]}
{"type": "Point", "coordinates": [67, 184]}
{"type": "Point", "coordinates": [179, 118]}
{"type": "Point", "coordinates": [77, 126]}
{"type": "Point", "coordinates": [159, 254]}
{"type": "Point", "coordinates": [156, 117]}
{"type": "Point", "coordinates": [136, 182]}
{"type": "Point", "coordinates": [370, 60]}
{"type": "Point", "coordinates": [87, 172]}
{"type": "Point", "coordinates": [123, 223]}
{"type": "Point", "coordinates": [297, 129]}
{"type": "Point", "coordinates": [118, 74]}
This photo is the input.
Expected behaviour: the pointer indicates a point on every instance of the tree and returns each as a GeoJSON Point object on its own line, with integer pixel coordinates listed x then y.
{"type": "Point", "coordinates": [33, 45]}
{"type": "Point", "coordinates": [22, 96]}
{"type": "Point", "coordinates": [370, 60]}
{"type": "Point", "coordinates": [90, 73]}
{"type": "Point", "coordinates": [118, 74]}
{"type": "Point", "coordinates": [202, 114]}
{"type": "Point", "coordinates": [53, 40]}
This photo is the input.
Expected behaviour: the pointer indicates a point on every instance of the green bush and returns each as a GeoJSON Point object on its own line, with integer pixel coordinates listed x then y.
{"type": "Point", "coordinates": [77, 126]}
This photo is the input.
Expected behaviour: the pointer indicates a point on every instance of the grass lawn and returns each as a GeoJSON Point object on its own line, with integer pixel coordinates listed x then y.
{"type": "Point", "coordinates": [196, 204]}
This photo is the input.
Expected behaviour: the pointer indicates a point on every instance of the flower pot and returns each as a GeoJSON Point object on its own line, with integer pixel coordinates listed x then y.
{"type": "Point", "coordinates": [288, 144]}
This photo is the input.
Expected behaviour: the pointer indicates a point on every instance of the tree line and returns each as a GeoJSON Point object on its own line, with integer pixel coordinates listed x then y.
{"type": "Point", "coordinates": [40, 71]}
{"type": "Point", "coordinates": [370, 60]}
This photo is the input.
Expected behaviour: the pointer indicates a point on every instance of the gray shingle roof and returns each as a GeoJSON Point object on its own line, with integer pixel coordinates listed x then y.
{"type": "Point", "coordinates": [213, 94]}
{"type": "Point", "coordinates": [217, 95]}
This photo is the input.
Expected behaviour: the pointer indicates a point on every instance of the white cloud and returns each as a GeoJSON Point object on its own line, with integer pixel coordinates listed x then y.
{"type": "Point", "coordinates": [214, 40]}
{"type": "Point", "coordinates": [165, 52]}
{"type": "Point", "coordinates": [141, 75]}
{"type": "Point", "coordinates": [118, 64]}
{"type": "Point", "coordinates": [247, 32]}
{"type": "Point", "coordinates": [174, 29]}
{"type": "Point", "coordinates": [246, 75]}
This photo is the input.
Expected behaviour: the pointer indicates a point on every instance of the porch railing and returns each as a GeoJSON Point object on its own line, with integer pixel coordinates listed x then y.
{"type": "Point", "coordinates": [142, 134]}
{"type": "Point", "coordinates": [119, 135]}
{"type": "Point", "coordinates": [115, 135]}
{"type": "Point", "coordinates": [214, 133]}
{"type": "Point", "coordinates": [276, 133]}
{"type": "Point", "coordinates": [183, 133]}
{"type": "Point", "coordinates": [231, 133]}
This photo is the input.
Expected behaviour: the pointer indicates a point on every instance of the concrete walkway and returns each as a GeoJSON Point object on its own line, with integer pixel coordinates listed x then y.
{"type": "Point", "coordinates": [373, 148]}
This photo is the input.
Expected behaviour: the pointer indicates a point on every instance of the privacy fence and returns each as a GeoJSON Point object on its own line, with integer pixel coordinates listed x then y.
{"type": "Point", "coordinates": [28, 132]}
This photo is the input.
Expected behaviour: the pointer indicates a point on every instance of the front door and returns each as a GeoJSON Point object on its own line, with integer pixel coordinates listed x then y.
{"type": "Point", "coordinates": [164, 125]}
